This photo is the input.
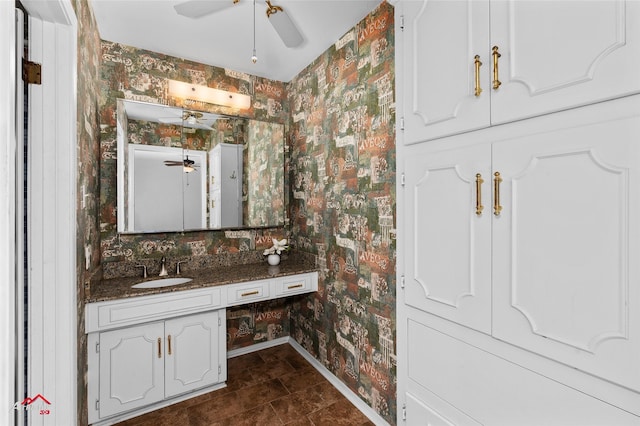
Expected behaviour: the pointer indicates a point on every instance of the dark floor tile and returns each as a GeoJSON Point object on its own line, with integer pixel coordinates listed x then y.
{"type": "Point", "coordinates": [260, 394]}
{"type": "Point", "coordinates": [301, 421]}
{"type": "Point", "coordinates": [297, 361]}
{"type": "Point", "coordinates": [262, 415]}
{"type": "Point", "coordinates": [277, 352]}
{"type": "Point", "coordinates": [341, 412]}
{"type": "Point", "coordinates": [241, 378]}
{"type": "Point", "coordinates": [271, 370]}
{"type": "Point", "coordinates": [243, 362]}
{"type": "Point", "coordinates": [213, 410]}
{"type": "Point", "coordinates": [291, 407]}
{"type": "Point", "coordinates": [301, 379]}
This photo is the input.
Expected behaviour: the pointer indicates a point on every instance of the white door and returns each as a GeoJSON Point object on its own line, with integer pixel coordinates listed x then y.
{"type": "Point", "coordinates": [448, 237]}
{"type": "Point", "coordinates": [437, 48]}
{"type": "Point", "coordinates": [131, 368]}
{"type": "Point", "coordinates": [566, 247]}
{"type": "Point", "coordinates": [562, 54]}
{"type": "Point", "coordinates": [192, 353]}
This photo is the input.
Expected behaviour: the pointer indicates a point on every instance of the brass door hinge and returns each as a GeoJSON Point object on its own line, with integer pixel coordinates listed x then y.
{"type": "Point", "coordinates": [31, 72]}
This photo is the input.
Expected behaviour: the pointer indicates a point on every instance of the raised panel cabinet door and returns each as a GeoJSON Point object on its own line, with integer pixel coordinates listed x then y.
{"type": "Point", "coordinates": [439, 43]}
{"type": "Point", "coordinates": [131, 368]}
{"type": "Point", "coordinates": [448, 234]}
{"type": "Point", "coordinates": [566, 246]}
{"type": "Point", "coordinates": [192, 346]}
{"type": "Point", "coordinates": [556, 55]}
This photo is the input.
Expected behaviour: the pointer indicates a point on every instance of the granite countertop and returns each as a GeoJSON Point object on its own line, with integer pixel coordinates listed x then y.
{"type": "Point", "coordinates": [119, 288]}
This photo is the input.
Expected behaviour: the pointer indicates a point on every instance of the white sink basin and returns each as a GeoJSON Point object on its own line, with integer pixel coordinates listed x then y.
{"type": "Point", "coordinates": [162, 282]}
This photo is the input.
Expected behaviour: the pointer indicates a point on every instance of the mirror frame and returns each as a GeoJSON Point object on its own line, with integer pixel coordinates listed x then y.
{"type": "Point", "coordinates": [123, 197]}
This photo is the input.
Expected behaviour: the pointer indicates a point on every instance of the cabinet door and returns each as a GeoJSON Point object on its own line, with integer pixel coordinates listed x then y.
{"type": "Point", "coordinates": [438, 43]}
{"type": "Point", "coordinates": [192, 346]}
{"type": "Point", "coordinates": [562, 54]}
{"type": "Point", "coordinates": [566, 247]}
{"type": "Point", "coordinates": [448, 245]}
{"type": "Point", "coordinates": [131, 368]}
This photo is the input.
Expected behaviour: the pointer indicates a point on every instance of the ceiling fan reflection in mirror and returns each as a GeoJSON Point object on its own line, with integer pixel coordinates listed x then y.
{"type": "Point", "coordinates": [278, 17]}
{"type": "Point", "coordinates": [187, 165]}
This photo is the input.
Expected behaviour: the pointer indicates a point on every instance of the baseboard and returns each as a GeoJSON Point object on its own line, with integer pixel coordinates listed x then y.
{"type": "Point", "coordinates": [257, 347]}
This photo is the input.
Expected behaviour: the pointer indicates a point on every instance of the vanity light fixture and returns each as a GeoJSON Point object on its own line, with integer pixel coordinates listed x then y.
{"type": "Point", "coordinates": [182, 90]}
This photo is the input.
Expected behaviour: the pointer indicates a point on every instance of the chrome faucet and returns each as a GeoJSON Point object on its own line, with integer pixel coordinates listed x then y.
{"type": "Point", "coordinates": [163, 267]}
{"type": "Point", "coordinates": [144, 270]}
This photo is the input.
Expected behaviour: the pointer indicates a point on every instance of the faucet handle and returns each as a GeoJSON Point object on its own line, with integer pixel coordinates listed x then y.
{"type": "Point", "coordinates": [144, 270]}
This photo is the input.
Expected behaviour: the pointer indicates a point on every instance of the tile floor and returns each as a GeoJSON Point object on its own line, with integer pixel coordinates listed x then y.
{"type": "Point", "coordinates": [274, 386]}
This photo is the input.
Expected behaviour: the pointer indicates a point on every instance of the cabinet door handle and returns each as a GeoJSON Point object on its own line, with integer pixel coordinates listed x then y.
{"type": "Point", "coordinates": [159, 347]}
{"type": "Point", "coordinates": [479, 182]}
{"type": "Point", "coordinates": [250, 293]}
{"type": "Point", "coordinates": [496, 55]}
{"type": "Point", "coordinates": [477, 64]}
{"type": "Point", "coordinates": [169, 345]}
{"type": "Point", "coordinates": [294, 286]}
{"type": "Point", "coordinates": [497, 208]}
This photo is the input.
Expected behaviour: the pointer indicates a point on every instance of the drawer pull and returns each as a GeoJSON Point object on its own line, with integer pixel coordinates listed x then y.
{"type": "Point", "coordinates": [479, 206]}
{"type": "Point", "coordinates": [159, 347]}
{"type": "Point", "coordinates": [294, 286]}
{"type": "Point", "coordinates": [250, 293]}
{"type": "Point", "coordinates": [496, 55]}
{"type": "Point", "coordinates": [477, 64]}
{"type": "Point", "coordinates": [169, 344]}
{"type": "Point", "coordinates": [497, 208]}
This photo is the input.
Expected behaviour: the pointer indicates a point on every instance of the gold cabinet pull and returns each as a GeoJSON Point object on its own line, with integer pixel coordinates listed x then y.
{"type": "Point", "coordinates": [159, 347]}
{"type": "Point", "coordinates": [478, 64]}
{"type": "Point", "coordinates": [479, 182]}
{"type": "Point", "coordinates": [497, 208]}
{"type": "Point", "coordinates": [169, 345]}
{"type": "Point", "coordinates": [294, 286]}
{"type": "Point", "coordinates": [250, 293]}
{"type": "Point", "coordinates": [496, 55]}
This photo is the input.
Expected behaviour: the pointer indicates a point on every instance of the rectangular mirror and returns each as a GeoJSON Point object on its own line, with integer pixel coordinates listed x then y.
{"type": "Point", "coordinates": [182, 170]}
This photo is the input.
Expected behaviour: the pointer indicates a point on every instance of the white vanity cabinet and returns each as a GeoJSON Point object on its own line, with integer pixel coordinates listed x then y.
{"type": "Point", "coordinates": [145, 364]}
{"type": "Point", "coordinates": [147, 351]}
{"type": "Point", "coordinates": [550, 56]}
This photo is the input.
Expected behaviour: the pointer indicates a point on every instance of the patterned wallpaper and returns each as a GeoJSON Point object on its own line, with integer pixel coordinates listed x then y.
{"type": "Point", "coordinates": [88, 153]}
{"type": "Point", "coordinates": [343, 207]}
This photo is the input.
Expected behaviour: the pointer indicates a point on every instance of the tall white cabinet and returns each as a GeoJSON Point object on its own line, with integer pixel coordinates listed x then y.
{"type": "Point", "coordinates": [466, 65]}
{"type": "Point", "coordinates": [518, 213]}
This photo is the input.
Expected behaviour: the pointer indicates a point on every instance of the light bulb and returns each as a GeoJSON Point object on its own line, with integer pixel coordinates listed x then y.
{"type": "Point", "coordinates": [254, 58]}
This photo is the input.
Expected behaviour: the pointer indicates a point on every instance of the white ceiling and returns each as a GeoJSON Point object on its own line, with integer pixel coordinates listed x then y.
{"type": "Point", "coordinates": [225, 38]}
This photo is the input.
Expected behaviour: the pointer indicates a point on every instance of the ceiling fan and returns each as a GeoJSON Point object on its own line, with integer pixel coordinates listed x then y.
{"type": "Point", "coordinates": [187, 165]}
{"type": "Point", "coordinates": [193, 119]}
{"type": "Point", "coordinates": [281, 22]}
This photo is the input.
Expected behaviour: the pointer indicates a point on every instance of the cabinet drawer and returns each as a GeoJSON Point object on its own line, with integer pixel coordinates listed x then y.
{"type": "Point", "coordinates": [293, 285]}
{"type": "Point", "coordinates": [248, 292]}
{"type": "Point", "coordinates": [106, 315]}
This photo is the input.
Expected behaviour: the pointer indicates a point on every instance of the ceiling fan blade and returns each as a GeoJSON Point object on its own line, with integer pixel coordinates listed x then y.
{"type": "Point", "coordinates": [173, 163]}
{"type": "Point", "coordinates": [285, 28]}
{"type": "Point", "coordinates": [170, 120]}
{"type": "Point", "coordinates": [202, 126]}
{"type": "Point", "coordinates": [199, 8]}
